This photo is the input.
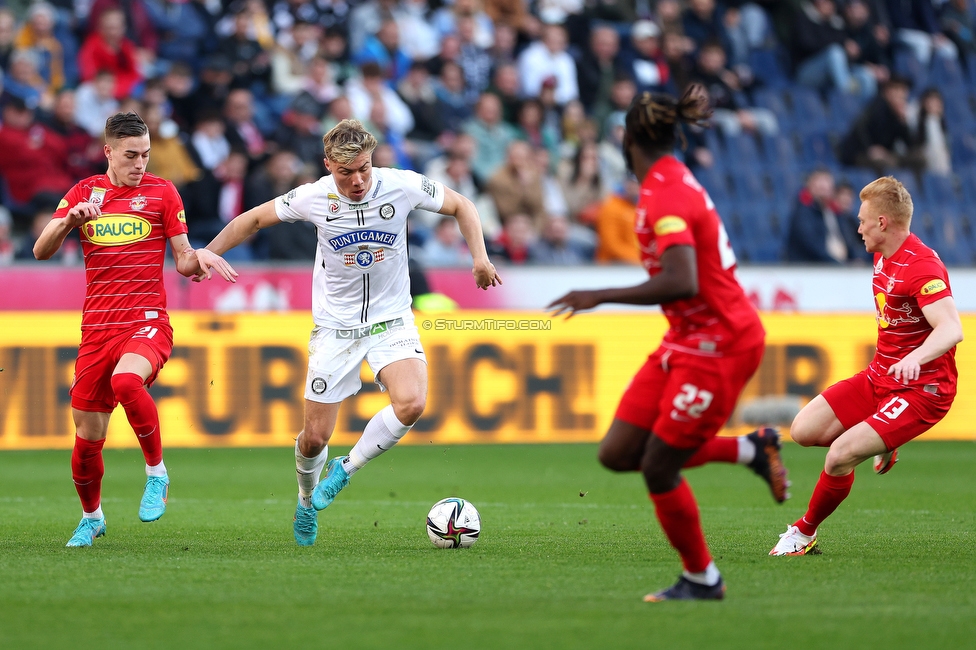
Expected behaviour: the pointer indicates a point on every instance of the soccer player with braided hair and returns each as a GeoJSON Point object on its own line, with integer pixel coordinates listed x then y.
{"type": "Point", "coordinates": [673, 408]}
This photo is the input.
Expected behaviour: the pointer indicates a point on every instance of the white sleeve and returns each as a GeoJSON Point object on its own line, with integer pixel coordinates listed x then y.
{"type": "Point", "coordinates": [296, 205]}
{"type": "Point", "coordinates": [423, 193]}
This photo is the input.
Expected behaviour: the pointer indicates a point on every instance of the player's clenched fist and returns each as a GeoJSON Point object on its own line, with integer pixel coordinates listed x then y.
{"type": "Point", "coordinates": [82, 213]}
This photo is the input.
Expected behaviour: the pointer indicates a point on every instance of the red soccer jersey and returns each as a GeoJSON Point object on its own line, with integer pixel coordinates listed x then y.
{"type": "Point", "coordinates": [904, 283]}
{"type": "Point", "coordinates": [125, 248]}
{"type": "Point", "coordinates": [674, 210]}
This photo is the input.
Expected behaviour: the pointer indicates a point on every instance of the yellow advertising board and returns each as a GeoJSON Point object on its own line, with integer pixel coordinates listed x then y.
{"type": "Point", "coordinates": [238, 380]}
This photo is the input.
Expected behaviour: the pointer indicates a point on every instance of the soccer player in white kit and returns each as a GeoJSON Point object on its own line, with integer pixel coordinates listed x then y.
{"type": "Point", "coordinates": [360, 301]}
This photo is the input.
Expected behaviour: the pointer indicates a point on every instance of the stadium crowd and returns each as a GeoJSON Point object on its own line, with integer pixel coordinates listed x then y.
{"type": "Point", "coordinates": [517, 104]}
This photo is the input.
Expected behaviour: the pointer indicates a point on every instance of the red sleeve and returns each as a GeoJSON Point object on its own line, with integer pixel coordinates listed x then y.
{"type": "Point", "coordinates": [671, 221]}
{"type": "Point", "coordinates": [70, 200]}
{"type": "Point", "coordinates": [928, 281]}
{"type": "Point", "coordinates": [174, 219]}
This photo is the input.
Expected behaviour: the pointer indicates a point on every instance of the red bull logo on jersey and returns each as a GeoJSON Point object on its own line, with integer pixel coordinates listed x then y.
{"type": "Point", "coordinates": [117, 229]}
{"type": "Point", "coordinates": [137, 202]}
{"type": "Point", "coordinates": [889, 315]}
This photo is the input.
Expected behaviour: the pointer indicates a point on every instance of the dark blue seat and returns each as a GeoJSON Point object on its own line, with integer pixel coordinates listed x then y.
{"type": "Point", "coordinates": [749, 183]}
{"type": "Point", "coordinates": [908, 179]}
{"type": "Point", "coordinates": [741, 149]}
{"type": "Point", "coordinates": [772, 99]}
{"type": "Point", "coordinates": [817, 148]}
{"type": "Point", "coordinates": [946, 73]}
{"type": "Point", "coordinates": [939, 189]}
{"type": "Point", "coordinates": [778, 150]}
{"type": "Point", "coordinates": [769, 68]}
{"type": "Point", "coordinates": [808, 110]}
{"type": "Point", "coordinates": [714, 182]}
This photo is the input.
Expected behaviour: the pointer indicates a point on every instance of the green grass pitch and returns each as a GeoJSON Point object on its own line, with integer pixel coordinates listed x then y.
{"type": "Point", "coordinates": [566, 553]}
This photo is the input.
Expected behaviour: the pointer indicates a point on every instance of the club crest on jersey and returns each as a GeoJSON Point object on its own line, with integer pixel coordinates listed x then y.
{"type": "Point", "coordinates": [117, 229]}
{"type": "Point", "coordinates": [387, 211]}
{"type": "Point", "coordinates": [137, 202]}
{"type": "Point", "coordinates": [364, 258]}
{"type": "Point", "coordinates": [333, 206]}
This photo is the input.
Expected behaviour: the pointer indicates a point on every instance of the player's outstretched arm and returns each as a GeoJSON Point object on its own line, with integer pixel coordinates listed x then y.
{"type": "Point", "coordinates": [677, 280]}
{"type": "Point", "coordinates": [462, 209]}
{"type": "Point", "coordinates": [946, 332]}
{"type": "Point", "coordinates": [56, 230]}
{"type": "Point", "coordinates": [199, 264]}
{"type": "Point", "coordinates": [242, 227]}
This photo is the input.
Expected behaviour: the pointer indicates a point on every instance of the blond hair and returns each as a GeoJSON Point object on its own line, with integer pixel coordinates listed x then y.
{"type": "Point", "coordinates": [890, 198]}
{"type": "Point", "coordinates": [347, 140]}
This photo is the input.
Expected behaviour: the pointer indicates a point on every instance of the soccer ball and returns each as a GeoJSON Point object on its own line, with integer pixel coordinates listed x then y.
{"type": "Point", "coordinates": [453, 523]}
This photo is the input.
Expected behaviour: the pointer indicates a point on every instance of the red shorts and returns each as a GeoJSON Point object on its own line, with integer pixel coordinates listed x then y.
{"type": "Point", "coordinates": [100, 352]}
{"type": "Point", "coordinates": [897, 415]}
{"type": "Point", "coordinates": [685, 399]}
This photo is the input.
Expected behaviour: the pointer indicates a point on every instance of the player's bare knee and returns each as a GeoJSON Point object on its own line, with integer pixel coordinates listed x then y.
{"type": "Point", "coordinates": [409, 411]}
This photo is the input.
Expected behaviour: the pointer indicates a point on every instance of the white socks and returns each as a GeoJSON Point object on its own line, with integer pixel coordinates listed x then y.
{"type": "Point", "coordinates": [308, 471]}
{"type": "Point", "coordinates": [382, 432]}
{"type": "Point", "coordinates": [709, 577]}
{"type": "Point", "coordinates": [747, 451]}
{"type": "Point", "coordinates": [94, 515]}
{"type": "Point", "coordinates": [157, 470]}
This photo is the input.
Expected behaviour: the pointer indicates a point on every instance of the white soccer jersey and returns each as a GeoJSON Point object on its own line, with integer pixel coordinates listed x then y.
{"type": "Point", "coordinates": [360, 274]}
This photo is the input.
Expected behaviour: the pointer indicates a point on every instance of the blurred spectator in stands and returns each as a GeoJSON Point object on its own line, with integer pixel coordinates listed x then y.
{"type": "Point", "coordinates": [33, 159]}
{"type": "Point", "coordinates": [474, 59]}
{"type": "Point", "coordinates": [845, 205]}
{"type": "Point", "coordinates": [622, 94]}
{"type": "Point", "coordinates": [516, 187]}
{"type": "Point", "coordinates": [107, 48]}
{"type": "Point", "coordinates": [418, 92]}
{"type": "Point", "coordinates": [731, 114]}
{"type": "Point", "coordinates": [504, 49]}
{"type": "Point", "coordinates": [41, 211]}
{"type": "Point", "coordinates": [178, 86]}
{"type": "Point", "coordinates": [209, 140]}
{"type": "Point", "coordinates": [23, 80]}
{"type": "Point", "coordinates": [366, 19]}
{"type": "Point", "coordinates": [138, 23]}
{"type": "Point", "coordinates": [85, 155]}
{"type": "Point", "coordinates": [56, 50]}
{"type": "Point", "coordinates": [318, 81]}
{"type": "Point", "coordinates": [556, 247]}
{"type": "Point", "coordinates": [613, 167]}
{"type": "Point", "coordinates": [184, 28]}
{"type": "Point", "coordinates": [677, 51]}
{"type": "Point", "coordinates": [8, 34]}
{"type": "Point", "coordinates": [491, 135]}
{"type": "Point", "coordinates": [7, 248]}
{"type": "Point", "coordinates": [553, 200]}
{"type": "Point", "coordinates": [334, 47]}
{"type": "Point", "coordinates": [450, 50]}
{"type": "Point", "coordinates": [880, 138]}
{"type": "Point", "coordinates": [823, 51]}
{"type": "Point", "coordinates": [446, 246]}
{"type": "Point", "coordinates": [582, 183]}
{"type": "Point", "coordinates": [702, 22]}
{"type": "Point", "coordinates": [383, 49]}
{"type": "Point", "coordinates": [277, 176]}
{"type": "Point", "coordinates": [644, 60]}
{"type": "Point", "coordinates": [96, 103]}
{"type": "Point", "coordinates": [926, 121]}
{"type": "Point", "coordinates": [816, 232]}
{"type": "Point", "coordinates": [916, 26]}
{"type": "Point", "coordinates": [868, 41]}
{"type": "Point", "coordinates": [575, 128]}
{"type": "Point", "coordinates": [513, 13]}
{"type": "Point", "coordinates": [292, 55]}
{"type": "Point", "coordinates": [301, 132]}
{"type": "Point", "coordinates": [370, 89]}
{"type": "Point", "coordinates": [241, 131]}
{"type": "Point", "coordinates": [515, 241]}
{"type": "Point", "coordinates": [958, 22]}
{"type": "Point", "coordinates": [215, 199]}
{"type": "Point", "coordinates": [340, 109]}
{"type": "Point", "coordinates": [213, 86]}
{"type": "Point", "coordinates": [419, 39]}
{"type": "Point", "coordinates": [596, 70]}
{"type": "Point", "coordinates": [547, 59]}
{"type": "Point", "coordinates": [449, 89]}
{"type": "Point", "coordinates": [170, 158]}
{"type": "Point", "coordinates": [669, 19]}
{"type": "Point", "coordinates": [532, 129]}
{"type": "Point", "coordinates": [250, 61]}
{"type": "Point", "coordinates": [505, 84]}
{"type": "Point", "coordinates": [615, 221]}
{"type": "Point", "coordinates": [447, 19]}
{"type": "Point", "coordinates": [386, 155]}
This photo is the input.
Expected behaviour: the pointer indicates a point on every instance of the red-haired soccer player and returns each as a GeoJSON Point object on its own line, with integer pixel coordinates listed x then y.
{"type": "Point", "coordinates": [686, 391]}
{"type": "Point", "coordinates": [126, 217]}
{"type": "Point", "coordinates": [911, 381]}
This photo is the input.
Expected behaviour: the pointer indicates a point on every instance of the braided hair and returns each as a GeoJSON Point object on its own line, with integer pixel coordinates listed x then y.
{"type": "Point", "coordinates": [652, 120]}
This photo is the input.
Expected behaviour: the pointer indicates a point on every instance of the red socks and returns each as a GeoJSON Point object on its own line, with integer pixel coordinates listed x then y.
{"type": "Point", "coordinates": [87, 469]}
{"type": "Point", "coordinates": [716, 450]}
{"type": "Point", "coordinates": [141, 411]}
{"type": "Point", "coordinates": [828, 494]}
{"type": "Point", "coordinates": [678, 513]}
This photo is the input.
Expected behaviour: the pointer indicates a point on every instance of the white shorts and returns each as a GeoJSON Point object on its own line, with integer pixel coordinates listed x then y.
{"type": "Point", "coordinates": [335, 357]}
